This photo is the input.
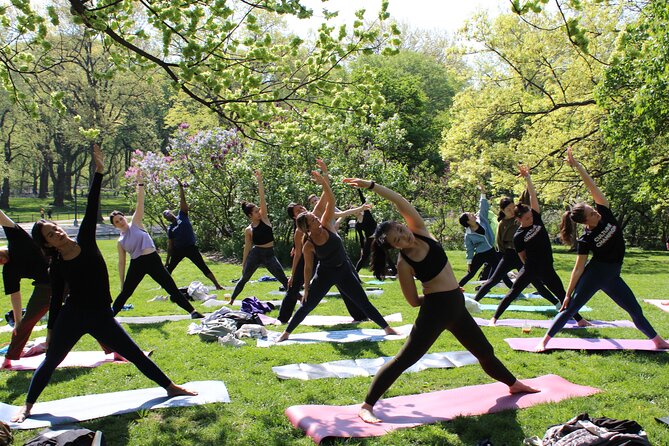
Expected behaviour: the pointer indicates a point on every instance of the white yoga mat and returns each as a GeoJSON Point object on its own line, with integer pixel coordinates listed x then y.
{"type": "Point", "coordinates": [73, 359]}
{"type": "Point", "coordinates": [89, 407]}
{"type": "Point", "coordinates": [9, 328]}
{"type": "Point", "coordinates": [326, 321]}
{"type": "Point", "coordinates": [662, 304]}
{"type": "Point", "coordinates": [340, 336]}
{"type": "Point", "coordinates": [349, 368]}
{"type": "Point", "coordinates": [329, 293]}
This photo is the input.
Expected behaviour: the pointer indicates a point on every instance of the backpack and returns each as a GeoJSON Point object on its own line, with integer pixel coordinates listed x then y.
{"type": "Point", "coordinates": [252, 305]}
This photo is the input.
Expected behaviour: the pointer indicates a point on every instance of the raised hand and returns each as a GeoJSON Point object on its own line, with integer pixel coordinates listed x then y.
{"type": "Point", "coordinates": [99, 158]}
{"type": "Point", "coordinates": [523, 171]}
{"type": "Point", "coordinates": [570, 158]}
{"type": "Point", "coordinates": [258, 175]}
{"type": "Point", "coordinates": [321, 165]}
{"type": "Point", "coordinates": [317, 177]}
{"type": "Point", "coordinates": [357, 182]}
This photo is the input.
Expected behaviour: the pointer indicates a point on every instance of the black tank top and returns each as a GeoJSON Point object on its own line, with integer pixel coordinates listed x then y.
{"type": "Point", "coordinates": [435, 260]}
{"type": "Point", "coordinates": [332, 252]}
{"type": "Point", "coordinates": [262, 234]}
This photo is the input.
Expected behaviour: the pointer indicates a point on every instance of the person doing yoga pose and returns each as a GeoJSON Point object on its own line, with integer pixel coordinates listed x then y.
{"type": "Point", "coordinates": [441, 308]}
{"type": "Point", "coordinates": [22, 258]}
{"type": "Point", "coordinates": [79, 265]}
{"type": "Point", "coordinates": [181, 240]}
{"type": "Point", "coordinates": [533, 246]}
{"type": "Point", "coordinates": [479, 242]}
{"type": "Point", "coordinates": [603, 237]}
{"type": "Point", "coordinates": [258, 243]}
{"type": "Point", "coordinates": [144, 258]}
{"type": "Point", "coordinates": [334, 266]}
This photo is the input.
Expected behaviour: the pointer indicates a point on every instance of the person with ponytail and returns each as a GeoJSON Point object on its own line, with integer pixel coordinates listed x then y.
{"type": "Point", "coordinates": [144, 258]}
{"type": "Point", "coordinates": [479, 241]}
{"type": "Point", "coordinates": [533, 246]}
{"type": "Point", "coordinates": [334, 268]}
{"type": "Point", "coordinates": [604, 238]}
{"type": "Point", "coordinates": [258, 243]}
{"type": "Point", "coordinates": [442, 307]}
{"type": "Point", "coordinates": [78, 265]}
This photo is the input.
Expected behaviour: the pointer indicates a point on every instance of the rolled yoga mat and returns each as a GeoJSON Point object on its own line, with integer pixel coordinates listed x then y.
{"type": "Point", "coordinates": [326, 321]}
{"type": "Point", "coordinates": [339, 336]}
{"type": "Point", "coordinates": [89, 407]}
{"type": "Point", "coordinates": [528, 344]}
{"type": "Point", "coordinates": [73, 359]}
{"type": "Point", "coordinates": [320, 422]}
{"type": "Point", "coordinates": [543, 323]}
{"type": "Point", "coordinates": [350, 368]}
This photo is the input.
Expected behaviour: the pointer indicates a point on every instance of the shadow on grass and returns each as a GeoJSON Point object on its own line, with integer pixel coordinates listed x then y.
{"type": "Point", "coordinates": [18, 383]}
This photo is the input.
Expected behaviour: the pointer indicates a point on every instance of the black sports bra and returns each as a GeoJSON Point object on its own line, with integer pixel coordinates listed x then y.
{"type": "Point", "coordinates": [262, 234]}
{"type": "Point", "coordinates": [435, 260]}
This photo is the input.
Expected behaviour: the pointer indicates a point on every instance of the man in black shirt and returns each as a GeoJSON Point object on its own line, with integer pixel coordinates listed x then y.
{"type": "Point", "coordinates": [22, 259]}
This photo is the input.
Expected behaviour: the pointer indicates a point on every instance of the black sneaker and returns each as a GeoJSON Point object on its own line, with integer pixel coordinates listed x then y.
{"type": "Point", "coordinates": [196, 315]}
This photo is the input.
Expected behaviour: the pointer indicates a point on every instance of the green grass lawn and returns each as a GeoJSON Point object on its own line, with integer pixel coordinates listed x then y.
{"type": "Point", "coordinates": [633, 384]}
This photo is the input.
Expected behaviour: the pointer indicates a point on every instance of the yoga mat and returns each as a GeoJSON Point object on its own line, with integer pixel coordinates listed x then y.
{"type": "Point", "coordinates": [326, 321]}
{"type": "Point", "coordinates": [349, 368]}
{"type": "Point", "coordinates": [661, 304]}
{"type": "Point", "coordinates": [664, 420]}
{"type": "Point", "coordinates": [329, 293]}
{"type": "Point", "coordinates": [9, 328]}
{"type": "Point", "coordinates": [341, 336]}
{"type": "Point", "coordinates": [89, 407]}
{"type": "Point", "coordinates": [528, 344]}
{"type": "Point", "coordinates": [73, 359]}
{"type": "Point", "coordinates": [542, 323]}
{"type": "Point", "coordinates": [320, 422]}
{"type": "Point", "coordinates": [501, 296]}
{"type": "Point", "coordinates": [151, 319]}
{"type": "Point", "coordinates": [530, 308]}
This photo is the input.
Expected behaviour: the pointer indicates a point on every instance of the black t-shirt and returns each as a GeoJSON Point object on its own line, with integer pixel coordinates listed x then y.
{"type": "Point", "coordinates": [535, 242]}
{"type": "Point", "coordinates": [480, 230]}
{"type": "Point", "coordinates": [606, 241]}
{"type": "Point", "coordinates": [25, 260]}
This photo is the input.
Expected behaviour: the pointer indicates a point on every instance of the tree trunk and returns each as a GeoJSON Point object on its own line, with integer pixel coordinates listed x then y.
{"type": "Point", "coordinates": [4, 195]}
{"type": "Point", "coordinates": [43, 182]}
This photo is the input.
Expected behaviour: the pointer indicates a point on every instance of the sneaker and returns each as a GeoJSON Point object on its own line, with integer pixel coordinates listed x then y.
{"type": "Point", "coordinates": [230, 340]}
{"type": "Point", "coordinates": [196, 315]}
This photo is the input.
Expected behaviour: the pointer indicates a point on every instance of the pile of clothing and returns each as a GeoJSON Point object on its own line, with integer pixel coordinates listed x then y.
{"type": "Point", "coordinates": [585, 431]}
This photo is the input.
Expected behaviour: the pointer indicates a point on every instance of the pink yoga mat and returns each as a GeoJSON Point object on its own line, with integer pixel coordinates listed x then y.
{"type": "Point", "coordinates": [319, 422]}
{"type": "Point", "coordinates": [528, 344]}
{"type": "Point", "coordinates": [73, 359]}
{"type": "Point", "coordinates": [661, 304]}
{"type": "Point", "coordinates": [546, 323]}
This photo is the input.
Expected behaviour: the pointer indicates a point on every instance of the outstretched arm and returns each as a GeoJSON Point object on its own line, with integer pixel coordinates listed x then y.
{"type": "Point", "coordinates": [139, 209]}
{"type": "Point", "coordinates": [352, 211]}
{"type": "Point", "coordinates": [86, 233]}
{"type": "Point", "coordinates": [261, 193]}
{"type": "Point", "coordinates": [534, 201]}
{"type": "Point", "coordinates": [183, 205]}
{"type": "Point", "coordinates": [413, 219]}
{"type": "Point", "coordinates": [328, 196]}
{"type": "Point", "coordinates": [597, 194]}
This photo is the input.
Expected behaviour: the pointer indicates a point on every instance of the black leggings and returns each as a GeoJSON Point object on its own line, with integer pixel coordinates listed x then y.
{"type": "Point", "coordinates": [490, 257]}
{"type": "Point", "coordinates": [439, 312]}
{"type": "Point", "coordinates": [290, 298]}
{"type": "Point", "coordinates": [510, 260]}
{"type": "Point", "coordinates": [365, 251]}
{"type": "Point", "coordinates": [547, 275]}
{"type": "Point", "coordinates": [346, 280]}
{"type": "Point", "coordinates": [191, 253]}
{"type": "Point", "coordinates": [71, 325]}
{"type": "Point", "coordinates": [152, 265]}
{"type": "Point", "coordinates": [260, 256]}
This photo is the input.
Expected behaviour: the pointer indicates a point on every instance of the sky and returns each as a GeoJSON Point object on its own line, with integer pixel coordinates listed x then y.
{"type": "Point", "coordinates": [440, 15]}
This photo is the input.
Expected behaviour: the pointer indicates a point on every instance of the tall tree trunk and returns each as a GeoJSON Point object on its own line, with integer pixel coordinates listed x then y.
{"type": "Point", "coordinates": [43, 182]}
{"type": "Point", "coordinates": [4, 195]}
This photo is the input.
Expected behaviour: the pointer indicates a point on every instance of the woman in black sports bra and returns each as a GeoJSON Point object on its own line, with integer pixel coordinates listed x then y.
{"type": "Point", "coordinates": [258, 243]}
{"type": "Point", "coordinates": [441, 308]}
{"type": "Point", "coordinates": [334, 267]}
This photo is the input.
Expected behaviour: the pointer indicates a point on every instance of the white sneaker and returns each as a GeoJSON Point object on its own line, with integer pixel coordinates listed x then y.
{"type": "Point", "coordinates": [230, 340]}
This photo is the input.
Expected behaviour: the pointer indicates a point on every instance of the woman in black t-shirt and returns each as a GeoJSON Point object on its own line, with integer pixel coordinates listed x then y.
{"type": "Point", "coordinates": [604, 238]}
{"type": "Point", "coordinates": [534, 249]}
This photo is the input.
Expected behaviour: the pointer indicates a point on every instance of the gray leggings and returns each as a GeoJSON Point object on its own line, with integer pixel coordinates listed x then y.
{"type": "Point", "coordinates": [606, 277]}
{"type": "Point", "coordinates": [257, 257]}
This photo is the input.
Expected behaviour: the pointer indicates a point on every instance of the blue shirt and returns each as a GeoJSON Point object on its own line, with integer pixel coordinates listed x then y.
{"type": "Point", "coordinates": [181, 232]}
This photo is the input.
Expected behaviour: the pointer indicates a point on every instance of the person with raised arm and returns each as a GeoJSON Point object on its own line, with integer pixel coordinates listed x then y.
{"type": "Point", "coordinates": [79, 265]}
{"type": "Point", "coordinates": [533, 246]}
{"type": "Point", "coordinates": [23, 259]}
{"type": "Point", "coordinates": [442, 307]}
{"type": "Point", "coordinates": [603, 237]}
{"type": "Point", "coordinates": [258, 243]}
{"type": "Point", "coordinates": [322, 242]}
{"type": "Point", "coordinates": [181, 241]}
{"type": "Point", "coordinates": [144, 258]}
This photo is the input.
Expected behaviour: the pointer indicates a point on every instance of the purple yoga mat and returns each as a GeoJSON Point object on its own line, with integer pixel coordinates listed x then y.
{"type": "Point", "coordinates": [528, 344]}
{"type": "Point", "coordinates": [544, 323]}
{"type": "Point", "coordinates": [320, 422]}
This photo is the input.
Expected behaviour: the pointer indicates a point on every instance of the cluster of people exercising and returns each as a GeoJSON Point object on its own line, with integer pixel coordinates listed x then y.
{"type": "Point", "coordinates": [71, 280]}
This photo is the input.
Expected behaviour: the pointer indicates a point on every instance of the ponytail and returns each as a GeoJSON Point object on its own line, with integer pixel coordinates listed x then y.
{"type": "Point", "coordinates": [379, 255]}
{"type": "Point", "coordinates": [567, 229]}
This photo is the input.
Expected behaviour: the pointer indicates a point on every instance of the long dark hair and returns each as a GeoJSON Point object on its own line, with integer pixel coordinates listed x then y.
{"type": "Point", "coordinates": [38, 237]}
{"type": "Point", "coordinates": [292, 217]}
{"type": "Point", "coordinates": [380, 247]}
{"type": "Point", "coordinates": [521, 209]}
{"type": "Point", "coordinates": [504, 202]}
{"type": "Point", "coordinates": [302, 225]}
{"type": "Point", "coordinates": [574, 214]}
{"type": "Point", "coordinates": [247, 208]}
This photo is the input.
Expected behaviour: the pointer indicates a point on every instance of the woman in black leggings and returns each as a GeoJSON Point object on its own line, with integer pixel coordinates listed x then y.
{"type": "Point", "coordinates": [258, 243]}
{"type": "Point", "coordinates": [144, 258]}
{"type": "Point", "coordinates": [441, 308]}
{"type": "Point", "coordinates": [533, 246]}
{"type": "Point", "coordinates": [334, 266]}
{"type": "Point", "coordinates": [79, 265]}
